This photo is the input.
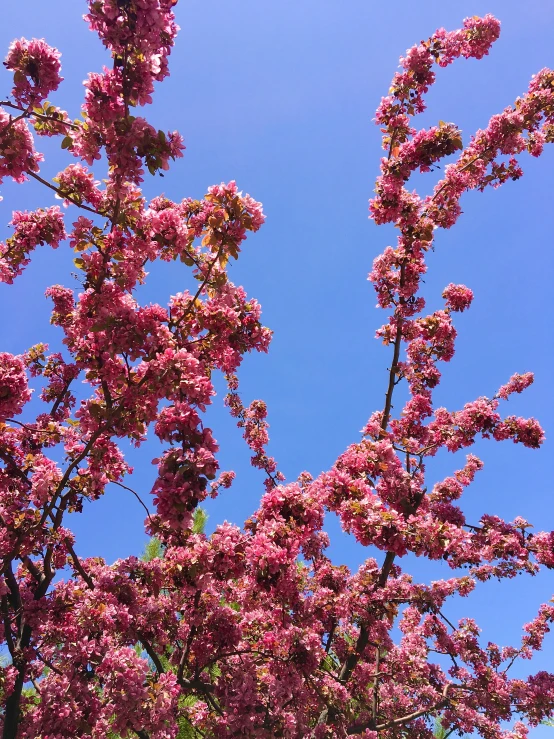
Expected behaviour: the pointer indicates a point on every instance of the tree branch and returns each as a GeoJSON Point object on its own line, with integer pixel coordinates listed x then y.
{"type": "Point", "coordinates": [62, 194]}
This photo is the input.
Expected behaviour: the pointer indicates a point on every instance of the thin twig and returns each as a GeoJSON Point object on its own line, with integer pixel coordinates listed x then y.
{"type": "Point", "coordinates": [34, 114]}
{"type": "Point", "coordinates": [62, 194]}
{"type": "Point", "coordinates": [137, 496]}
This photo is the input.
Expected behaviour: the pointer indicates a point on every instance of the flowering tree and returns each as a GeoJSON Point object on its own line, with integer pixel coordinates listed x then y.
{"type": "Point", "coordinates": [251, 631]}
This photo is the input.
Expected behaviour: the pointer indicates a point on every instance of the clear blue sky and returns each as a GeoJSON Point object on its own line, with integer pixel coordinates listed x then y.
{"type": "Point", "coordinates": [280, 96]}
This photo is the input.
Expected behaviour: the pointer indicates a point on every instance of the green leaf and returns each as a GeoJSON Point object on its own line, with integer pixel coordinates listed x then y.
{"type": "Point", "coordinates": [154, 549]}
{"type": "Point", "coordinates": [199, 521]}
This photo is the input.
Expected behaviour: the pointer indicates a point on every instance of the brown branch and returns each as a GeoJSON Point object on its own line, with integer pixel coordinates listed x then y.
{"type": "Point", "coordinates": [330, 637]}
{"type": "Point", "coordinates": [441, 614]}
{"type": "Point", "coordinates": [33, 569]}
{"type": "Point", "coordinates": [61, 397]}
{"type": "Point", "coordinates": [62, 194]}
{"type": "Point", "coordinates": [31, 113]}
{"type": "Point", "coordinates": [79, 567]}
{"type": "Point", "coordinates": [385, 569]}
{"type": "Point", "coordinates": [48, 663]}
{"type": "Point", "coordinates": [416, 714]}
{"type": "Point", "coordinates": [363, 637]}
{"type": "Point", "coordinates": [137, 496]}
{"type": "Point", "coordinates": [375, 697]}
{"type": "Point", "coordinates": [151, 653]}
{"type": "Point", "coordinates": [512, 661]}
{"type": "Point", "coordinates": [192, 634]}
{"type": "Point", "coordinates": [30, 428]}
{"type": "Point", "coordinates": [63, 482]}
{"type": "Point", "coordinates": [12, 466]}
{"type": "Point", "coordinates": [13, 120]}
{"type": "Point", "coordinates": [392, 373]}
{"type": "Point", "coordinates": [463, 169]}
{"type": "Point", "coordinates": [13, 585]}
{"type": "Point", "coordinates": [90, 582]}
{"type": "Point", "coordinates": [265, 460]}
{"type": "Point", "coordinates": [7, 625]}
{"type": "Point", "coordinates": [12, 708]}
{"type": "Point", "coordinates": [198, 292]}
{"type": "Point", "coordinates": [360, 727]}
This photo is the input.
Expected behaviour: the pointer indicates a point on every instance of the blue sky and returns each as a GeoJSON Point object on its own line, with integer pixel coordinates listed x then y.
{"type": "Point", "coordinates": [280, 96]}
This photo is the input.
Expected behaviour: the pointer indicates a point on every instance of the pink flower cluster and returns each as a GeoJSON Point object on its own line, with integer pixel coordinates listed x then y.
{"type": "Point", "coordinates": [14, 390]}
{"type": "Point", "coordinates": [36, 68]}
{"type": "Point", "coordinates": [253, 421]}
{"type": "Point", "coordinates": [43, 226]}
{"type": "Point", "coordinates": [458, 297]}
{"type": "Point", "coordinates": [516, 384]}
{"type": "Point", "coordinates": [17, 152]}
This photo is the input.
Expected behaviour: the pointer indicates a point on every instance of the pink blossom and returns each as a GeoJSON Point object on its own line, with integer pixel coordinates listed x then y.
{"type": "Point", "coordinates": [36, 68]}
{"type": "Point", "coordinates": [17, 151]}
{"type": "Point", "coordinates": [516, 384]}
{"type": "Point", "coordinates": [43, 226]}
{"type": "Point", "coordinates": [14, 390]}
{"type": "Point", "coordinates": [458, 297]}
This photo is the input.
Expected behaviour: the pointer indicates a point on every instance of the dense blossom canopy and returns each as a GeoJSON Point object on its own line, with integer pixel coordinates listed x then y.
{"type": "Point", "coordinates": [252, 631]}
